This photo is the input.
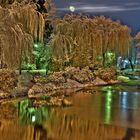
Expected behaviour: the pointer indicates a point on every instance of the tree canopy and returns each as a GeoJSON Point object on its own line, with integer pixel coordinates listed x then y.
{"type": "Point", "coordinates": [81, 40]}
{"type": "Point", "coordinates": [21, 24]}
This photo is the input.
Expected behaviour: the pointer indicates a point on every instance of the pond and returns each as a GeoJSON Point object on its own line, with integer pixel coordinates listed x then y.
{"type": "Point", "coordinates": [101, 113]}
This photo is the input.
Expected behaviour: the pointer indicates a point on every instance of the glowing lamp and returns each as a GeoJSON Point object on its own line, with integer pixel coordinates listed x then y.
{"type": "Point", "coordinates": [36, 45]}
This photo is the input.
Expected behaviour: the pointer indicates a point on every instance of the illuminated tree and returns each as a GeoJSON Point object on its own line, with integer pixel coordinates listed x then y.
{"type": "Point", "coordinates": [20, 26]}
{"type": "Point", "coordinates": [135, 48]}
{"type": "Point", "coordinates": [82, 41]}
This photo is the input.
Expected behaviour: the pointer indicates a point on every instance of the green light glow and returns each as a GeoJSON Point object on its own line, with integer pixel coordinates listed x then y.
{"type": "Point", "coordinates": [107, 88]}
{"type": "Point", "coordinates": [108, 107]}
{"type": "Point", "coordinates": [36, 45]}
{"type": "Point", "coordinates": [109, 54]}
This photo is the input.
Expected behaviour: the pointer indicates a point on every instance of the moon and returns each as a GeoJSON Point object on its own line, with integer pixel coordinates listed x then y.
{"type": "Point", "coordinates": [72, 8]}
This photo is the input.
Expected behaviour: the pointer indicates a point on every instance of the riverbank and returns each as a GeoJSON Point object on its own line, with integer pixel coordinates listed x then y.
{"type": "Point", "coordinates": [55, 84]}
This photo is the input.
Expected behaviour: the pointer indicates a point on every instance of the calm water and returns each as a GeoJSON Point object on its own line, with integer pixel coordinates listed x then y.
{"type": "Point", "coordinates": [103, 113]}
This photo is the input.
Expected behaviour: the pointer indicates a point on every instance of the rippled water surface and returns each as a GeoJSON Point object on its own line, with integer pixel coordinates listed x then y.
{"type": "Point", "coordinates": [103, 113]}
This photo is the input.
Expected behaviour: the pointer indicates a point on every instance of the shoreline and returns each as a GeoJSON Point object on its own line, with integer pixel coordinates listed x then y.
{"type": "Point", "coordinates": [59, 92]}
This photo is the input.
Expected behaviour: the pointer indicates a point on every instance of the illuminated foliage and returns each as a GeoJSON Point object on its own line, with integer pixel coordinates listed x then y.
{"type": "Point", "coordinates": [137, 37]}
{"type": "Point", "coordinates": [20, 26]}
{"type": "Point", "coordinates": [80, 40]}
{"type": "Point", "coordinates": [42, 55]}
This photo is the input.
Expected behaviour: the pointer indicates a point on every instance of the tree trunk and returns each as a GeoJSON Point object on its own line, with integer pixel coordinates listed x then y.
{"type": "Point", "coordinates": [103, 61]}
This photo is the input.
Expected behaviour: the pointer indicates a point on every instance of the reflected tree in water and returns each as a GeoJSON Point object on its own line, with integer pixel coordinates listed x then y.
{"type": "Point", "coordinates": [35, 116]}
{"type": "Point", "coordinates": [32, 115]}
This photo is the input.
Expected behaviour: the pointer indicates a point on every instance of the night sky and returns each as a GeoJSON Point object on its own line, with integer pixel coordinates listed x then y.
{"type": "Point", "coordinates": [127, 11]}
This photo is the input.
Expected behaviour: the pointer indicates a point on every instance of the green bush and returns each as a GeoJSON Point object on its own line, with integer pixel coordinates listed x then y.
{"type": "Point", "coordinates": [28, 66]}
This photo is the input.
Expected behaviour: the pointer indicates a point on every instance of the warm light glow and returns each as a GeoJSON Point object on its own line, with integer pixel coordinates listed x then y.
{"type": "Point", "coordinates": [72, 8]}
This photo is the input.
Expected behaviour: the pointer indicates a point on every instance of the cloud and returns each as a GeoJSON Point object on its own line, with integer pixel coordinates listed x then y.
{"type": "Point", "coordinates": [132, 4]}
{"type": "Point", "coordinates": [103, 8]}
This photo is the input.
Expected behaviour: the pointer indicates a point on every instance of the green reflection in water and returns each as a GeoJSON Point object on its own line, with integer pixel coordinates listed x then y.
{"type": "Point", "coordinates": [32, 115]}
{"type": "Point", "coordinates": [114, 88]}
{"type": "Point", "coordinates": [108, 107]}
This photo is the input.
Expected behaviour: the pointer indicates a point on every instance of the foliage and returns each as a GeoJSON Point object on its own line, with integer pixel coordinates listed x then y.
{"type": "Point", "coordinates": [79, 40]}
{"type": "Point", "coordinates": [28, 66]}
{"type": "Point", "coordinates": [8, 80]}
{"type": "Point", "coordinates": [41, 58]}
{"type": "Point", "coordinates": [110, 59]}
{"type": "Point", "coordinates": [123, 78]}
{"type": "Point", "coordinates": [39, 53]}
{"type": "Point", "coordinates": [20, 26]}
{"type": "Point", "coordinates": [80, 75]}
{"type": "Point", "coordinates": [107, 74]}
{"type": "Point", "coordinates": [137, 37]}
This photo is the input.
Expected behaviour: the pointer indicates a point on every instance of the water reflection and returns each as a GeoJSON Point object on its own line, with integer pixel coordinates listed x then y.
{"type": "Point", "coordinates": [39, 130]}
{"type": "Point", "coordinates": [129, 100]}
{"type": "Point", "coordinates": [108, 107]}
{"type": "Point", "coordinates": [119, 105]}
{"type": "Point", "coordinates": [109, 100]}
{"type": "Point", "coordinates": [32, 115]}
{"type": "Point", "coordinates": [86, 120]}
{"type": "Point", "coordinates": [130, 133]}
{"type": "Point", "coordinates": [129, 106]}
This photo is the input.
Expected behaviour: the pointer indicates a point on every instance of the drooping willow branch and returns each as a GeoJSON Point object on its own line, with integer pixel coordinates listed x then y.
{"type": "Point", "coordinates": [20, 26]}
{"type": "Point", "coordinates": [81, 40]}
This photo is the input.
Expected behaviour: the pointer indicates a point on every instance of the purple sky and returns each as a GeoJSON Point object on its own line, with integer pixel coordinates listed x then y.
{"type": "Point", "coordinates": [127, 11]}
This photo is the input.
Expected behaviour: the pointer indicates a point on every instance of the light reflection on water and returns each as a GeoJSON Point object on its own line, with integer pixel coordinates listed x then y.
{"type": "Point", "coordinates": [108, 107]}
{"type": "Point", "coordinates": [129, 100]}
{"type": "Point", "coordinates": [109, 113]}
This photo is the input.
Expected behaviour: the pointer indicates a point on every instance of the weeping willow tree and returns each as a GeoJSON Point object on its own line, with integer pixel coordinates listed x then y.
{"type": "Point", "coordinates": [137, 37]}
{"type": "Point", "coordinates": [82, 41]}
{"type": "Point", "coordinates": [135, 49]}
{"type": "Point", "coordinates": [20, 26]}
